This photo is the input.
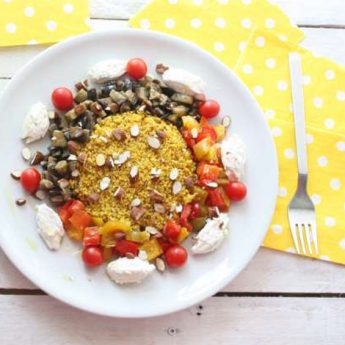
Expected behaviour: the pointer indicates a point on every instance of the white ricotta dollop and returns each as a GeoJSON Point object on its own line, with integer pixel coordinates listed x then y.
{"type": "Point", "coordinates": [36, 123]}
{"type": "Point", "coordinates": [128, 271]}
{"type": "Point", "coordinates": [211, 235]}
{"type": "Point", "coordinates": [106, 70]}
{"type": "Point", "coordinates": [184, 82]}
{"type": "Point", "coordinates": [49, 226]}
{"type": "Point", "coordinates": [233, 155]}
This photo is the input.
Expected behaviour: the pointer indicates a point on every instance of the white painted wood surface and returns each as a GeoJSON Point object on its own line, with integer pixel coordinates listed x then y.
{"type": "Point", "coordinates": [222, 321]}
{"type": "Point", "coordinates": [258, 317]}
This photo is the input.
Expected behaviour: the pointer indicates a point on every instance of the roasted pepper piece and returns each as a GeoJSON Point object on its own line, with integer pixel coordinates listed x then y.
{"type": "Point", "coordinates": [137, 236]}
{"type": "Point", "coordinates": [184, 233]}
{"type": "Point", "coordinates": [152, 248]}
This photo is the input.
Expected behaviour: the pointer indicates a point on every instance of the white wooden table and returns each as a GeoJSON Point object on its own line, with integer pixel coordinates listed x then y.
{"type": "Point", "coordinates": [278, 299]}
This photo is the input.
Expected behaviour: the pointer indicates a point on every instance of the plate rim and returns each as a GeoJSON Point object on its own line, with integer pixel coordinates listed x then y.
{"type": "Point", "coordinates": [275, 173]}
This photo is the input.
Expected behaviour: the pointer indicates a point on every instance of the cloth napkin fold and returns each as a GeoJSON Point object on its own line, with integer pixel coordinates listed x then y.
{"type": "Point", "coordinates": [41, 21]}
{"type": "Point", "coordinates": [254, 39]}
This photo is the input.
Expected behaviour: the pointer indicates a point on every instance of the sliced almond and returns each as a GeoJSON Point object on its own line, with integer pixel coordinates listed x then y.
{"type": "Point", "coordinates": [122, 158]}
{"type": "Point", "coordinates": [109, 162]}
{"type": "Point", "coordinates": [137, 212]}
{"type": "Point", "coordinates": [189, 182]}
{"type": "Point", "coordinates": [173, 174]}
{"type": "Point", "coordinates": [82, 158]}
{"type": "Point", "coordinates": [194, 133]}
{"type": "Point", "coordinates": [37, 158]}
{"type": "Point", "coordinates": [26, 153]}
{"type": "Point", "coordinates": [75, 173]}
{"type": "Point", "coordinates": [104, 139]}
{"type": "Point", "coordinates": [118, 134]}
{"type": "Point", "coordinates": [151, 230]}
{"type": "Point", "coordinates": [40, 195]}
{"type": "Point", "coordinates": [156, 196]}
{"type": "Point", "coordinates": [226, 121]}
{"type": "Point", "coordinates": [135, 202]}
{"type": "Point", "coordinates": [20, 202]}
{"type": "Point", "coordinates": [134, 173]}
{"type": "Point", "coordinates": [72, 158]}
{"type": "Point", "coordinates": [93, 197]}
{"type": "Point", "coordinates": [105, 183]}
{"type": "Point", "coordinates": [177, 187]}
{"type": "Point", "coordinates": [142, 255]}
{"type": "Point", "coordinates": [135, 131]}
{"type": "Point", "coordinates": [119, 193]}
{"type": "Point", "coordinates": [155, 173]}
{"type": "Point", "coordinates": [16, 174]}
{"type": "Point", "coordinates": [153, 142]}
{"type": "Point", "coordinates": [161, 134]}
{"type": "Point", "coordinates": [159, 208]}
{"type": "Point", "coordinates": [160, 264]}
{"type": "Point", "coordinates": [178, 208]}
{"type": "Point", "coordinates": [100, 159]}
{"type": "Point", "coordinates": [212, 184]}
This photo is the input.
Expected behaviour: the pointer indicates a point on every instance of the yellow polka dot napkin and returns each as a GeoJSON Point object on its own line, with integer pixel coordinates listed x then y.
{"type": "Point", "coordinates": [264, 68]}
{"type": "Point", "coordinates": [41, 21]}
{"type": "Point", "coordinates": [220, 26]}
{"type": "Point", "coordinates": [254, 37]}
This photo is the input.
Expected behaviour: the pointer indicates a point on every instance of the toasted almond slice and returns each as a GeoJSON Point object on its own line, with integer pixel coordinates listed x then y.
{"type": "Point", "coordinates": [119, 193]}
{"type": "Point", "coordinates": [212, 184]}
{"type": "Point", "coordinates": [178, 208]}
{"type": "Point", "coordinates": [159, 208]}
{"type": "Point", "coordinates": [177, 187]}
{"type": "Point", "coordinates": [135, 202]}
{"type": "Point", "coordinates": [173, 174]}
{"type": "Point", "coordinates": [105, 183]}
{"type": "Point", "coordinates": [100, 159]}
{"type": "Point", "coordinates": [26, 153]}
{"type": "Point", "coordinates": [72, 158]}
{"type": "Point", "coordinates": [151, 230]}
{"type": "Point", "coordinates": [142, 255]}
{"type": "Point", "coordinates": [135, 131]}
{"type": "Point", "coordinates": [134, 172]}
{"type": "Point", "coordinates": [160, 264]}
{"type": "Point", "coordinates": [16, 174]}
{"type": "Point", "coordinates": [153, 142]}
{"type": "Point", "coordinates": [20, 202]}
{"type": "Point", "coordinates": [226, 121]}
{"type": "Point", "coordinates": [194, 132]}
{"type": "Point", "coordinates": [40, 195]}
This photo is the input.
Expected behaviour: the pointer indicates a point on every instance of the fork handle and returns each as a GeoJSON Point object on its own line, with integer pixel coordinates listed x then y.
{"type": "Point", "coordinates": [295, 62]}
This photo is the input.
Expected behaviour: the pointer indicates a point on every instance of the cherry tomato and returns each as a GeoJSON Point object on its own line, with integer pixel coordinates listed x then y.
{"type": "Point", "coordinates": [176, 256]}
{"type": "Point", "coordinates": [136, 68]}
{"type": "Point", "coordinates": [62, 98]}
{"type": "Point", "coordinates": [30, 179]}
{"type": "Point", "coordinates": [236, 191]}
{"type": "Point", "coordinates": [172, 230]}
{"type": "Point", "coordinates": [92, 256]}
{"type": "Point", "coordinates": [209, 109]}
{"type": "Point", "coordinates": [124, 246]}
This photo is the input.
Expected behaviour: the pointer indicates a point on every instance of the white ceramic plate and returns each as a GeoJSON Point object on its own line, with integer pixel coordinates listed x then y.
{"type": "Point", "coordinates": [62, 274]}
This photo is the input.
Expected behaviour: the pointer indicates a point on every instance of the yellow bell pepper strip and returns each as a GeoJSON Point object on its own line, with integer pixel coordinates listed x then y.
{"type": "Point", "coordinates": [189, 122]}
{"type": "Point", "coordinates": [109, 230]}
{"type": "Point", "coordinates": [152, 248]}
{"type": "Point", "coordinates": [138, 236]}
{"type": "Point", "coordinates": [202, 147]}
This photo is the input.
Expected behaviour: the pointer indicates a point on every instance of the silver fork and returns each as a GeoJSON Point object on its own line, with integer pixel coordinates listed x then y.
{"type": "Point", "coordinates": [301, 210]}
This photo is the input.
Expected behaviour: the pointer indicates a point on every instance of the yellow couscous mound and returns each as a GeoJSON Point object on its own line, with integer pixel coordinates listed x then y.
{"type": "Point", "coordinates": [172, 153]}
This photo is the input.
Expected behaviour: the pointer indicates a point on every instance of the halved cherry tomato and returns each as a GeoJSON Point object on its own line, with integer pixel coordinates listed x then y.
{"type": "Point", "coordinates": [80, 219]}
{"type": "Point", "coordinates": [209, 109]}
{"type": "Point", "coordinates": [236, 191]}
{"type": "Point", "coordinates": [136, 68]}
{"type": "Point", "coordinates": [217, 197]}
{"type": "Point", "coordinates": [124, 246]}
{"type": "Point", "coordinates": [62, 98]}
{"type": "Point", "coordinates": [207, 132]}
{"type": "Point", "coordinates": [30, 180]}
{"type": "Point", "coordinates": [92, 236]}
{"type": "Point", "coordinates": [195, 213]}
{"type": "Point", "coordinates": [176, 256]}
{"type": "Point", "coordinates": [92, 256]}
{"type": "Point", "coordinates": [172, 230]}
